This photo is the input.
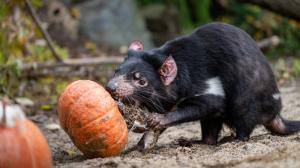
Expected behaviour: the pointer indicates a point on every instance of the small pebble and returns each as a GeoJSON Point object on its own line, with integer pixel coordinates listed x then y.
{"type": "Point", "coordinates": [53, 127]}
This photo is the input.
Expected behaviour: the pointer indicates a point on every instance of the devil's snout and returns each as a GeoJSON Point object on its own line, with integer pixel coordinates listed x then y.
{"type": "Point", "coordinates": [111, 87]}
{"type": "Point", "coordinates": [119, 88]}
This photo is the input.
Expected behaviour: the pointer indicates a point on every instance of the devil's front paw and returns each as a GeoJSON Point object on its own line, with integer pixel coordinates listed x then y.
{"type": "Point", "coordinates": [157, 121]}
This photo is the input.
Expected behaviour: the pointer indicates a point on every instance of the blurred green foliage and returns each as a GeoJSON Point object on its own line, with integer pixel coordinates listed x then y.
{"type": "Point", "coordinates": [20, 42]}
{"type": "Point", "coordinates": [191, 13]}
{"type": "Point", "coordinates": [9, 75]}
{"type": "Point", "coordinates": [296, 67]}
{"type": "Point", "coordinates": [258, 22]}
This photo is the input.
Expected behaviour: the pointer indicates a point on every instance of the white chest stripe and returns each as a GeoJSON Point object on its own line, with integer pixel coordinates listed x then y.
{"type": "Point", "coordinates": [276, 96]}
{"type": "Point", "coordinates": [214, 87]}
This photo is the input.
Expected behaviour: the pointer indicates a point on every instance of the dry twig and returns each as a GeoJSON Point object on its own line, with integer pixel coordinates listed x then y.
{"type": "Point", "coordinates": [44, 32]}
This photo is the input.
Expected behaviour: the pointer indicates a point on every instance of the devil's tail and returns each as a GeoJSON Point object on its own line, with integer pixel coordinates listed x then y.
{"type": "Point", "coordinates": [282, 127]}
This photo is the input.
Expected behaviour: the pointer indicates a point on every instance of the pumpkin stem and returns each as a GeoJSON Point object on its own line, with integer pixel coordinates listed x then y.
{"type": "Point", "coordinates": [4, 104]}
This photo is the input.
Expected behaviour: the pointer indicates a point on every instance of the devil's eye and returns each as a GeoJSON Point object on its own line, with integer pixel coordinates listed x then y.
{"type": "Point", "coordinates": [136, 75]}
{"type": "Point", "coordinates": [142, 82]}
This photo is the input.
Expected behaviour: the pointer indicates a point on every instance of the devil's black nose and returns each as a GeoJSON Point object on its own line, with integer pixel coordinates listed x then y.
{"type": "Point", "coordinates": [111, 87]}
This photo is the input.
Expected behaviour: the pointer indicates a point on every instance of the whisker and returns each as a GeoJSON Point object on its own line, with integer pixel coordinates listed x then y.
{"type": "Point", "coordinates": [148, 100]}
{"type": "Point", "coordinates": [157, 95]}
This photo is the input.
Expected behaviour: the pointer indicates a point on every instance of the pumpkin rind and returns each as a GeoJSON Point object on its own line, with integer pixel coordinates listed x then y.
{"type": "Point", "coordinates": [91, 117]}
{"type": "Point", "coordinates": [24, 146]}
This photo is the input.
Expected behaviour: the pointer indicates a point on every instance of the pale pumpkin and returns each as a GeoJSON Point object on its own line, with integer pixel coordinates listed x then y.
{"type": "Point", "coordinates": [91, 118]}
{"type": "Point", "coordinates": [21, 142]}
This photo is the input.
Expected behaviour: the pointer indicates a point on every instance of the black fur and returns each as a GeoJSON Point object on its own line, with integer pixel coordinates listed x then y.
{"type": "Point", "coordinates": [213, 50]}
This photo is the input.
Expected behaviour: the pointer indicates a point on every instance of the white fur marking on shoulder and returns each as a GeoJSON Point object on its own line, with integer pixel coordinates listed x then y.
{"type": "Point", "coordinates": [214, 87]}
{"type": "Point", "coordinates": [276, 96]}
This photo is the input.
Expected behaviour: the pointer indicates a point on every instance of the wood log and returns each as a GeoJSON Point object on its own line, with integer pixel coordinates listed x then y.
{"type": "Point", "coordinates": [72, 67]}
{"type": "Point", "coordinates": [288, 8]}
{"type": "Point", "coordinates": [74, 63]}
{"type": "Point", "coordinates": [95, 66]}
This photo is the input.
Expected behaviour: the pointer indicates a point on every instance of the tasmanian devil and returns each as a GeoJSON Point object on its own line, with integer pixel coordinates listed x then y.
{"type": "Point", "coordinates": [216, 75]}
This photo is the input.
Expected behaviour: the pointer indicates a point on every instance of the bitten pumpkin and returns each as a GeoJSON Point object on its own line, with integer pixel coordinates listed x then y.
{"type": "Point", "coordinates": [21, 142]}
{"type": "Point", "coordinates": [92, 119]}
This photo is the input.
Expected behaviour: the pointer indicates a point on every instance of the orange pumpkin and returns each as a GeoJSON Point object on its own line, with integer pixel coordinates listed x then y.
{"type": "Point", "coordinates": [21, 144]}
{"type": "Point", "coordinates": [92, 119]}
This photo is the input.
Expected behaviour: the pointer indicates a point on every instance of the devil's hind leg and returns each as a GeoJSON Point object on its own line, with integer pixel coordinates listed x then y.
{"type": "Point", "coordinates": [244, 118]}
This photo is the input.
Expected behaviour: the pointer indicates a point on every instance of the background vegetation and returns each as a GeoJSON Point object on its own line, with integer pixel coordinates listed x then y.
{"type": "Point", "coordinates": [258, 22]}
{"type": "Point", "coordinates": [21, 41]}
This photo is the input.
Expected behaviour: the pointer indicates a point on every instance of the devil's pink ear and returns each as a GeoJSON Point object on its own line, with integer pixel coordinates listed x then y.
{"type": "Point", "coordinates": [168, 71]}
{"type": "Point", "coordinates": [136, 45]}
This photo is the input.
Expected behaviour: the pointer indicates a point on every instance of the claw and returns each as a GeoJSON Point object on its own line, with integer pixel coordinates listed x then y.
{"type": "Point", "coordinates": [157, 121]}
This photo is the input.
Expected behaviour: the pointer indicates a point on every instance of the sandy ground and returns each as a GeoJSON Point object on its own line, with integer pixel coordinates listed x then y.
{"type": "Point", "coordinates": [179, 146]}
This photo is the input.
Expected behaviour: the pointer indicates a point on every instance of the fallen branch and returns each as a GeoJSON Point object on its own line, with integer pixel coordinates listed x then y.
{"type": "Point", "coordinates": [288, 8]}
{"type": "Point", "coordinates": [44, 32]}
{"type": "Point", "coordinates": [83, 72]}
{"type": "Point", "coordinates": [92, 66]}
{"type": "Point", "coordinates": [73, 63]}
{"type": "Point", "coordinates": [269, 42]}
{"type": "Point", "coordinates": [72, 67]}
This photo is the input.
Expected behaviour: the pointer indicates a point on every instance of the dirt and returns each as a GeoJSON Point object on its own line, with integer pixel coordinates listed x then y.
{"type": "Point", "coordinates": [179, 146]}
